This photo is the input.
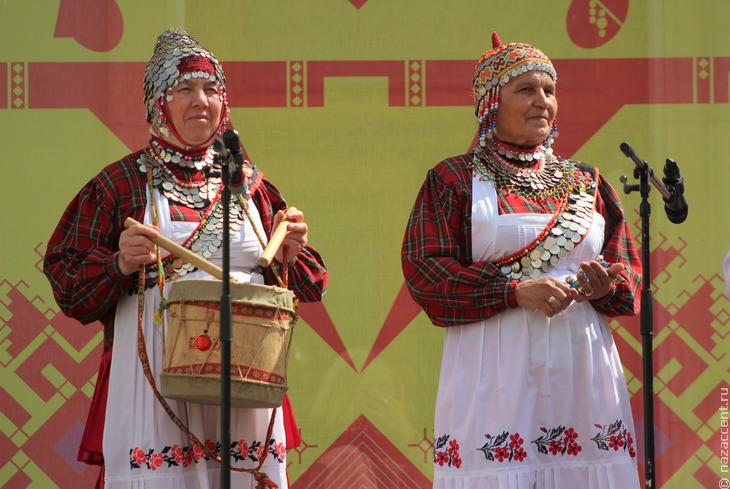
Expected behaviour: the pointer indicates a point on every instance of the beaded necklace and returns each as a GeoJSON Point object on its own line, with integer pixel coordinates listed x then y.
{"type": "Point", "coordinates": [547, 177]}
{"type": "Point", "coordinates": [514, 152]}
{"type": "Point", "coordinates": [169, 155]}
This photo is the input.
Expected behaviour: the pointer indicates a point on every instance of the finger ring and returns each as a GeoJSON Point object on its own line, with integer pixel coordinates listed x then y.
{"type": "Point", "coordinates": [551, 299]}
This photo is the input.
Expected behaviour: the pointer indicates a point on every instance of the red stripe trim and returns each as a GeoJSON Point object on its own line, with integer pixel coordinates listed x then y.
{"type": "Point", "coordinates": [237, 372]}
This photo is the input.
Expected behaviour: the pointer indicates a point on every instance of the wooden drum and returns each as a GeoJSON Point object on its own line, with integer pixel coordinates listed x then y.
{"type": "Point", "coordinates": [259, 351]}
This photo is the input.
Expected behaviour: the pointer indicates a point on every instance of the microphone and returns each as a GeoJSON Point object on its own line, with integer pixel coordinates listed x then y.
{"type": "Point", "coordinates": [232, 144]}
{"type": "Point", "coordinates": [675, 205]}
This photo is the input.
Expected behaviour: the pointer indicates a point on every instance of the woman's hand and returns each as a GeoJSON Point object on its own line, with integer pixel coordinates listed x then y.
{"type": "Point", "coordinates": [597, 281]}
{"type": "Point", "coordinates": [296, 235]}
{"type": "Point", "coordinates": [548, 294]}
{"type": "Point", "coordinates": [136, 248]}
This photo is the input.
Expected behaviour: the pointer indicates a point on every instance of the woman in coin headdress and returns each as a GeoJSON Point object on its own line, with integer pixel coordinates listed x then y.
{"type": "Point", "coordinates": [523, 256]}
{"type": "Point", "coordinates": [93, 264]}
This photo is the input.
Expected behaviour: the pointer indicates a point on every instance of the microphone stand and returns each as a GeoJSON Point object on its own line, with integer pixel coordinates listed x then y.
{"type": "Point", "coordinates": [645, 175]}
{"type": "Point", "coordinates": [226, 333]}
{"type": "Point", "coordinates": [229, 154]}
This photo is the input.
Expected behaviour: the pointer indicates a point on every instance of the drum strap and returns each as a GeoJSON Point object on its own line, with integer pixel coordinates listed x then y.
{"type": "Point", "coordinates": [263, 481]}
{"type": "Point", "coordinates": [283, 279]}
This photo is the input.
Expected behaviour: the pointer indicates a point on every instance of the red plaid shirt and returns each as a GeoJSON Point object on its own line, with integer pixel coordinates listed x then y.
{"type": "Point", "coordinates": [436, 253]}
{"type": "Point", "coordinates": [81, 259]}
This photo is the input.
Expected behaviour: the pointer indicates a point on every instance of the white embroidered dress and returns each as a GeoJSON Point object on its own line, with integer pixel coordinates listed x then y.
{"type": "Point", "coordinates": [526, 401]}
{"type": "Point", "coordinates": [143, 448]}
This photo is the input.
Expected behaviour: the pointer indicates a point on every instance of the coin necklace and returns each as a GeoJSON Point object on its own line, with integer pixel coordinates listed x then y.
{"type": "Point", "coordinates": [192, 194]}
{"type": "Point", "coordinates": [551, 177]}
{"type": "Point", "coordinates": [208, 235]}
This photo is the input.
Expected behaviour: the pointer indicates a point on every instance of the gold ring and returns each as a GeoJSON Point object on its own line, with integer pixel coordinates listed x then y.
{"type": "Point", "coordinates": [551, 299]}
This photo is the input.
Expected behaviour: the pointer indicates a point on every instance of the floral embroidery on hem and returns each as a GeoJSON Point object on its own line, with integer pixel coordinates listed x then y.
{"type": "Point", "coordinates": [448, 456]}
{"type": "Point", "coordinates": [558, 441]}
{"type": "Point", "coordinates": [504, 448]}
{"type": "Point", "coordinates": [176, 455]}
{"type": "Point", "coordinates": [614, 437]}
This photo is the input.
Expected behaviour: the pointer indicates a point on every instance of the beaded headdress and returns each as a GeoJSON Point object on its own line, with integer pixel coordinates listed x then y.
{"type": "Point", "coordinates": [494, 69]}
{"type": "Point", "coordinates": [177, 56]}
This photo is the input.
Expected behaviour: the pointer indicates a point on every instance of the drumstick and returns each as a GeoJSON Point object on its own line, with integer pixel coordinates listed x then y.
{"type": "Point", "coordinates": [276, 239]}
{"type": "Point", "coordinates": [184, 253]}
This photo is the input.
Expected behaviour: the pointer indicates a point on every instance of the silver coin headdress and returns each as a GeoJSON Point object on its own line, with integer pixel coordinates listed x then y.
{"type": "Point", "coordinates": [177, 56]}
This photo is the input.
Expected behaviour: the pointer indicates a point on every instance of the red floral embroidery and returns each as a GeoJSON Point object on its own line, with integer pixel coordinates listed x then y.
{"type": "Point", "coordinates": [176, 455]}
{"type": "Point", "coordinates": [446, 456]}
{"type": "Point", "coordinates": [519, 454]}
{"type": "Point", "coordinates": [176, 452]}
{"type": "Point", "coordinates": [558, 441]}
{"type": "Point", "coordinates": [138, 456]}
{"type": "Point", "coordinates": [188, 459]}
{"type": "Point", "coordinates": [259, 451]}
{"type": "Point", "coordinates": [614, 437]}
{"type": "Point", "coordinates": [280, 450]}
{"type": "Point", "coordinates": [515, 441]}
{"type": "Point", "coordinates": [501, 453]}
{"type": "Point", "coordinates": [574, 448]}
{"type": "Point", "coordinates": [242, 448]}
{"type": "Point", "coordinates": [616, 442]}
{"type": "Point", "coordinates": [504, 447]}
{"type": "Point", "coordinates": [630, 444]}
{"type": "Point", "coordinates": [156, 461]}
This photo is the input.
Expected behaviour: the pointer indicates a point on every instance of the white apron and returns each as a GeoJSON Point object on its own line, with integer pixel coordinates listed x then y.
{"type": "Point", "coordinates": [520, 395]}
{"type": "Point", "coordinates": [143, 448]}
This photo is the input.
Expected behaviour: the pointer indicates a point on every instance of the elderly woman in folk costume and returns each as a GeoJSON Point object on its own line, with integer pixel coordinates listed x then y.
{"type": "Point", "coordinates": [93, 264]}
{"type": "Point", "coordinates": [523, 256]}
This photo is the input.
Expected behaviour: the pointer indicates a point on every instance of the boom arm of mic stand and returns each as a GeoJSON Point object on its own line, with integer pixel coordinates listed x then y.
{"type": "Point", "coordinates": [644, 166]}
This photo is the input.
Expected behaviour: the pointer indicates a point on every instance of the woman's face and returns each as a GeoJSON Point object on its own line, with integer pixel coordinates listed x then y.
{"type": "Point", "coordinates": [527, 108]}
{"type": "Point", "coordinates": [195, 109]}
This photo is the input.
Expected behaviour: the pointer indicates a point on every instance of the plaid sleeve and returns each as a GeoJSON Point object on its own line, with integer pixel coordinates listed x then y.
{"type": "Point", "coordinates": [618, 248]}
{"type": "Point", "coordinates": [436, 253]}
{"type": "Point", "coordinates": [308, 274]}
{"type": "Point", "coordinates": [81, 257]}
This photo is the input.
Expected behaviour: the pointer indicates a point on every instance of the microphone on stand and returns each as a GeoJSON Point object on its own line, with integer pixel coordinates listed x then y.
{"type": "Point", "coordinates": [671, 186]}
{"type": "Point", "coordinates": [675, 205]}
{"type": "Point", "coordinates": [221, 153]}
{"type": "Point", "coordinates": [229, 153]}
{"type": "Point", "coordinates": [232, 144]}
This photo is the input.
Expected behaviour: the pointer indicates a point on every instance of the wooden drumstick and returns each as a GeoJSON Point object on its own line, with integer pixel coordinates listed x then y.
{"type": "Point", "coordinates": [183, 253]}
{"type": "Point", "coordinates": [276, 239]}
